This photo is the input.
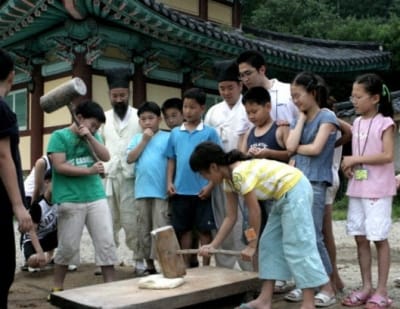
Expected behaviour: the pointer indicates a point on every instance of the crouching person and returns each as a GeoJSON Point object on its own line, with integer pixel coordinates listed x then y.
{"type": "Point", "coordinates": [39, 243]}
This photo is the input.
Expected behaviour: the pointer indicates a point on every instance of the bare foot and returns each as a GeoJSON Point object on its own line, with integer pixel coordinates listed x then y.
{"type": "Point", "coordinates": [255, 304]}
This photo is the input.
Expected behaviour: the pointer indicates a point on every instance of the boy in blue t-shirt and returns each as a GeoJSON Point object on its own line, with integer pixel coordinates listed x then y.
{"type": "Point", "coordinates": [172, 112]}
{"type": "Point", "coordinates": [173, 117]}
{"type": "Point", "coordinates": [191, 204]}
{"type": "Point", "coordinates": [147, 150]}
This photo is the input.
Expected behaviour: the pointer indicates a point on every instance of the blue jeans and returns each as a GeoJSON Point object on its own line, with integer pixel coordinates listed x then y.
{"type": "Point", "coordinates": [318, 212]}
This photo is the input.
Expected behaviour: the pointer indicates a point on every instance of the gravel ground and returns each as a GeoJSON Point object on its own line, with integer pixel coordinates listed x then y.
{"type": "Point", "coordinates": [345, 244]}
{"type": "Point", "coordinates": [28, 293]}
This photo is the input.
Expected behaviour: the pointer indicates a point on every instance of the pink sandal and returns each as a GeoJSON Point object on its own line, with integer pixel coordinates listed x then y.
{"type": "Point", "coordinates": [355, 299]}
{"type": "Point", "coordinates": [377, 301]}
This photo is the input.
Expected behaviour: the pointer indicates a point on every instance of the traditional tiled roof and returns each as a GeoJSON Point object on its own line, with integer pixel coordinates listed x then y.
{"type": "Point", "coordinates": [39, 26]}
{"type": "Point", "coordinates": [346, 110]}
{"type": "Point", "coordinates": [285, 50]}
{"type": "Point", "coordinates": [326, 53]}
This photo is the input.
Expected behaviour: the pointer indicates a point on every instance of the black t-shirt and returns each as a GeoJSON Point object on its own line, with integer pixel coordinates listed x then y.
{"type": "Point", "coordinates": [9, 128]}
{"type": "Point", "coordinates": [36, 211]}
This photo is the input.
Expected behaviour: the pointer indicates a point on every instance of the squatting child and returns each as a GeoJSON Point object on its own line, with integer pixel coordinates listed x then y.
{"type": "Point", "coordinates": [39, 243]}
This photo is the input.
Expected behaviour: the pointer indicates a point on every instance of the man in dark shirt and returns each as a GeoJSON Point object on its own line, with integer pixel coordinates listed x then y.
{"type": "Point", "coordinates": [11, 182]}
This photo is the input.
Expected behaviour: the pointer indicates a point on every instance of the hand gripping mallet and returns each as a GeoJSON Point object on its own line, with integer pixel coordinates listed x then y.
{"type": "Point", "coordinates": [170, 255]}
{"type": "Point", "coordinates": [63, 95]}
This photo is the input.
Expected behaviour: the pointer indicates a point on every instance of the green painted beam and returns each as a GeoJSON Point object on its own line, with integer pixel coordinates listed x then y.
{"type": "Point", "coordinates": [132, 26]}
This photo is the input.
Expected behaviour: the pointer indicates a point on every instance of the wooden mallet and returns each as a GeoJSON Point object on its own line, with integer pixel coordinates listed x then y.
{"type": "Point", "coordinates": [170, 256]}
{"type": "Point", "coordinates": [63, 95]}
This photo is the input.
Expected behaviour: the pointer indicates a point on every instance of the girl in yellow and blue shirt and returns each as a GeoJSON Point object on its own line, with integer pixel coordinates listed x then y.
{"type": "Point", "coordinates": [287, 246]}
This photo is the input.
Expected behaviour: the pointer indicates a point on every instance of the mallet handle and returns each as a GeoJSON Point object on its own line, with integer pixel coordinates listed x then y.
{"type": "Point", "coordinates": [92, 152]}
{"type": "Point", "coordinates": [220, 251]}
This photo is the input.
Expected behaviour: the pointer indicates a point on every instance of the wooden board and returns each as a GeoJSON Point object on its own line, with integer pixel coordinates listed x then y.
{"type": "Point", "coordinates": [201, 284]}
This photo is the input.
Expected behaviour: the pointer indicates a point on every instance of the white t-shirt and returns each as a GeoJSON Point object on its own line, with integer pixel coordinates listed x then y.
{"type": "Point", "coordinates": [282, 106]}
{"type": "Point", "coordinates": [29, 182]}
{"type": "Point", "coordinates": [229, 122]}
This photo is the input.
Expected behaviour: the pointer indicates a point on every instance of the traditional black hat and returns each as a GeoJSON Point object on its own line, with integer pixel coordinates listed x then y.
{"type": "Point", "coordinates": [118, 77]}
{"type": "Point", "coordinates": [226, 70]}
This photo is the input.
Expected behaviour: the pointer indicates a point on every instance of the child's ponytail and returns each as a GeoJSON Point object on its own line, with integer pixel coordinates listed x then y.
{"type": "Point", "coordinates": [374, 85]}
{"type": "Point", "coordinates": [385, 103]}
{"type": "Point", "coordinates": [207, 153]}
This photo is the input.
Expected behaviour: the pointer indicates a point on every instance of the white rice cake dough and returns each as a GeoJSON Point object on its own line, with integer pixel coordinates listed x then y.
{"type": "Point", "coordinates": [159, 282]}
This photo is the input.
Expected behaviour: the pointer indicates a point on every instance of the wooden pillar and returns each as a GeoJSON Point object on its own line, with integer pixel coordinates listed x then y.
{"type": "Point", "coordinates": [139, 86]}
{"type": "Point", "coordinates": [36, 115]}
{"type": "Point", "coordinates": [81, 69]}
{"type": "Point", "coordinates": [236, 14]}
{"type": "Point", "coordinates": [187, 81]}
{"type": "Point", "coordinates": [203, 9]}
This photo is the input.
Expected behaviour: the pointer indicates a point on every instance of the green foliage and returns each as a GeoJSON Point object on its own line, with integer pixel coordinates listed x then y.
{"type": "Point", "coordinates": [296, 17]}
{"type": "Point", "coordinates": [373, 29]}
{"type": "Point", "coordinates": [361, 9]}
{"type": "Point", "coordinates": [368, 20]}
{"type": "Point", "coordinates": [340, 208]}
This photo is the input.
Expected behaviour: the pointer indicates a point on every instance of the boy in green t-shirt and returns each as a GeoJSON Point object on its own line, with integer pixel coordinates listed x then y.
{"type": "Point", "coordinates": [78, 189]}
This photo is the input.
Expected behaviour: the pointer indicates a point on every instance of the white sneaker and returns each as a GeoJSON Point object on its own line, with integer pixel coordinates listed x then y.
{"type": "Point", "coordinates": [33, 269]}
{"type": "Point", "coordinates": [98, 271]}
{"type": "Point", "coordinates": [295, 295]}
{"type": "Point", "coordinates": [72, 267]}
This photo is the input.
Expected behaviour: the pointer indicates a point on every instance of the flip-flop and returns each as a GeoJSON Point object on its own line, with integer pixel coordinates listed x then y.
{"type": "Point", "coordinates": [244, 306]}
{"type": "Point", "coordinates": [355, 299]}
{"type": "Point", "coordinates": [323, 300]}
{"type": "Point", "coordinates": [377, 301]}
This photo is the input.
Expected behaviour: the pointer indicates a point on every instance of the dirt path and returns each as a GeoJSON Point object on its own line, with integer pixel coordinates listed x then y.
{"type": "Point", "coordinates": [30, 289]}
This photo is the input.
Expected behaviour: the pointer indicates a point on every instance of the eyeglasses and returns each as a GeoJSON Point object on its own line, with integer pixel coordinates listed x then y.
{"type": "Point", "coordinates": [245, 74]}
{"type": "Point", "coordinates": [297, 96]}
{"type": "Point", "coordinates": [356, 99]}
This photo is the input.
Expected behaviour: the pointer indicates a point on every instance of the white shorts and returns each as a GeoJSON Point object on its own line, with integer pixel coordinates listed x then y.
{"type": "Point", "coordinates": [369, 217]}
{"type": "Point", "coordinates": [71, 219]}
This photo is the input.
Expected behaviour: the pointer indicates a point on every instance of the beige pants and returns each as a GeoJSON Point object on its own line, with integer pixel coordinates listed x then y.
{"type": "Point", "coordinates": [120, 196]}
{"type": "Point", "coordinates": [150, 214]}
{"type": "Point", "coordinates": [234, 241]}
{"type": "Point", "coordinates": [71, 219]}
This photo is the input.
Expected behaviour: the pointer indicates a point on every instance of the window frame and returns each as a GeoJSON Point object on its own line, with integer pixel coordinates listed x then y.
{"type": "Point", "coordinates": [22, 125]}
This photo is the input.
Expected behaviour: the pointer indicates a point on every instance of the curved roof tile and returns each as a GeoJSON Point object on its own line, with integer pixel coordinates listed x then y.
{"type": "Point", "coordinates": [149, 17]}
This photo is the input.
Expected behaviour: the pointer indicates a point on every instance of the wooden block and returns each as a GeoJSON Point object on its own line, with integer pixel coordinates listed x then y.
{"type": "Point", "coordinates": [202, 284]}
{"type": "Point", "coordinates": [166, 244]}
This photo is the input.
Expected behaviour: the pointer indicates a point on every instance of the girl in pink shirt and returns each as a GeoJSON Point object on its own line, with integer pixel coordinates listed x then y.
{"type": "Point", "coordinates": [371, 186]}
